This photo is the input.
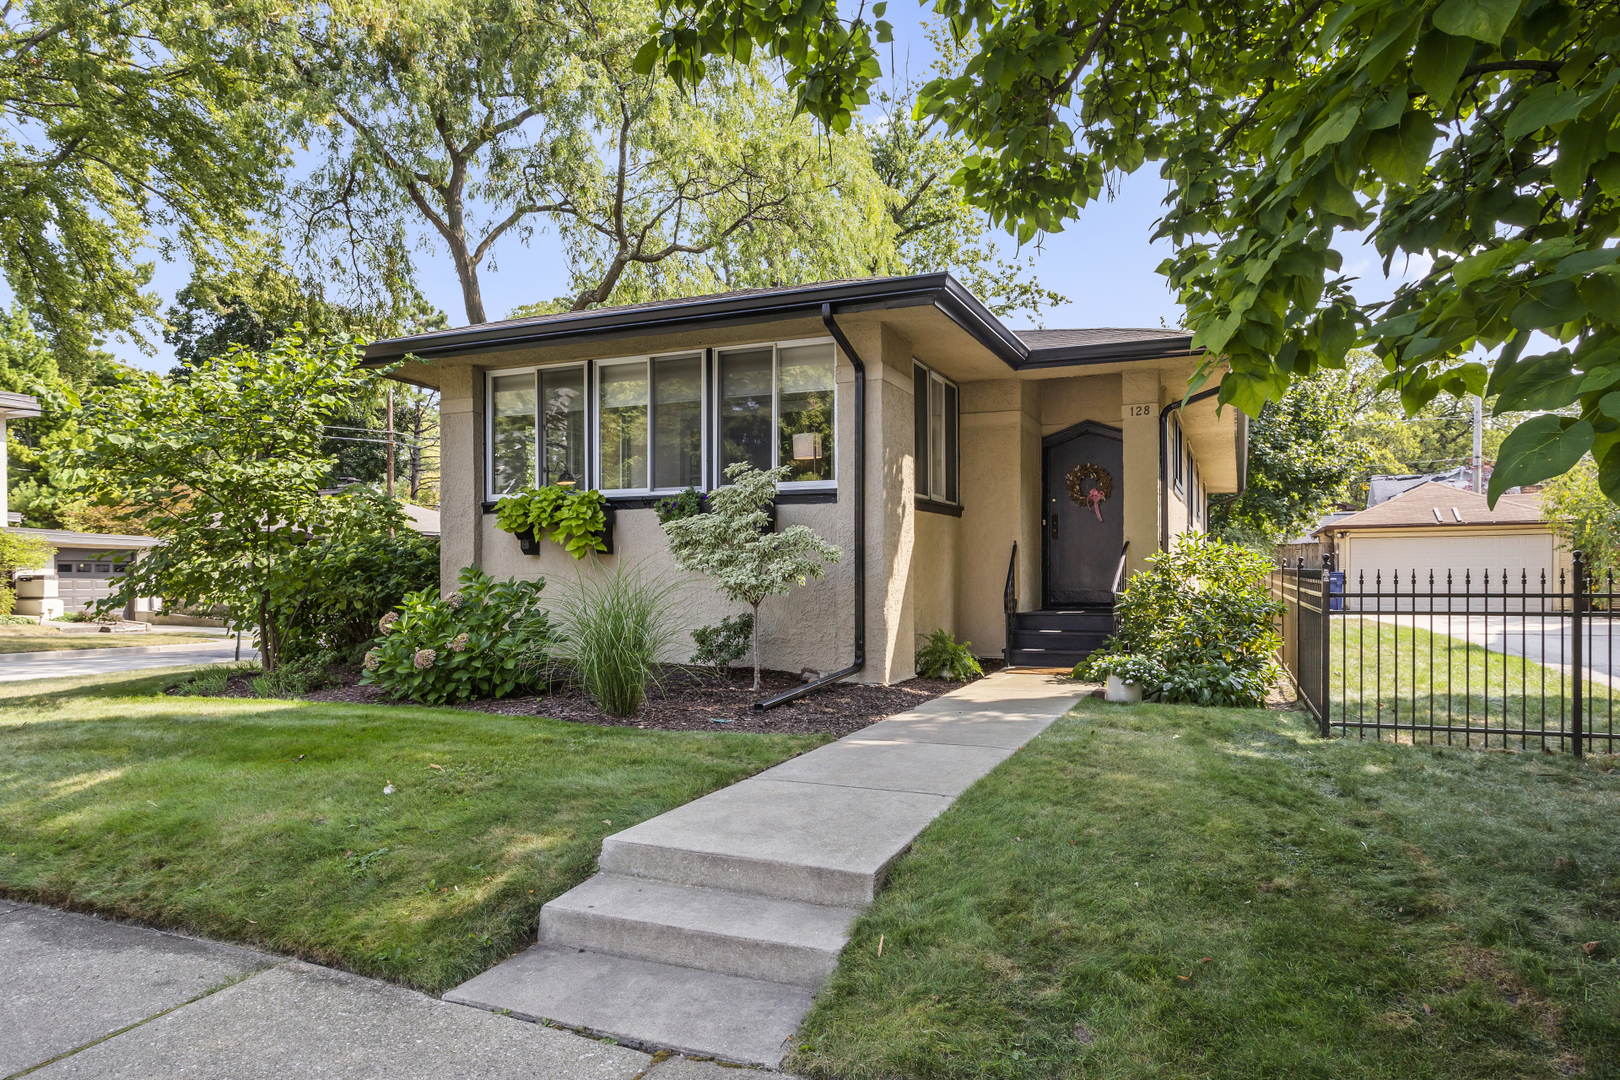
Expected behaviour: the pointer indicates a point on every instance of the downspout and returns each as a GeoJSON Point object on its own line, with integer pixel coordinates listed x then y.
{"type": "Point", "coordinates": [1164, 460]}
{"type": "Point", "coordinates": [860, 523]}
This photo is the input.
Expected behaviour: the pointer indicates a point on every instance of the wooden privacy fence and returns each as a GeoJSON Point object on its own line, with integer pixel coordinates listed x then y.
{"type": "Point", "coordinates": [1471, 658]}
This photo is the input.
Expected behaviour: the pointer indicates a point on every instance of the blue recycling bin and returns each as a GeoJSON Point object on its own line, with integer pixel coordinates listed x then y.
{"type": "Point", "coordinates": [1335, 590]}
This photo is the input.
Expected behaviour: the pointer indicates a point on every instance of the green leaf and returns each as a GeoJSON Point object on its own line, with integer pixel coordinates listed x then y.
{"type": "Point", "coordinates": [1550, 305]}
{"type": "Point", "coordinates": [1538, 449]}
{"type": "Point", "coordinates": [1385, 112]}
{"type": "Point", "coordinates": [1399, 154]}
{"type": "Point", "coordinates": [1609, 474]}
{"type": "Point", "coordinates": [1484, 264]}
{"type": "Point", "coordinates": [1438, 63]}
{"type": "Point", "coordinates": [1543, 106]}
{"type": "Point", "coordinates": [1482, 20]}
{"type": "Point", "coordinates": [1540, 383]}
{"type": "Point", "coordinates": [1579, 146]}
{"type": "Point", "coordinates": [1332, 130]}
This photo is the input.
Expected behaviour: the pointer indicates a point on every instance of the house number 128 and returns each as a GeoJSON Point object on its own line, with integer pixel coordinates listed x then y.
{"type": "Point", "coordinates": [1130, 411]}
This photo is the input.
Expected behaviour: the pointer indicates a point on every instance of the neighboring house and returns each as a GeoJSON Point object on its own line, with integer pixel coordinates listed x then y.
{"type": "Point", "coordinates": [1439, 529]}
{"type": "Point", "coordinates": [423, 519]}
{"type": "Point", "coordinates": [85, 570]}
{"type": "Point", "coordinates": [974, 439]}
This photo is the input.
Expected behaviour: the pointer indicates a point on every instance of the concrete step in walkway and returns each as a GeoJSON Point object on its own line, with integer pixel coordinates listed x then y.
{"type": "Point", "coordinates": [710, 927]}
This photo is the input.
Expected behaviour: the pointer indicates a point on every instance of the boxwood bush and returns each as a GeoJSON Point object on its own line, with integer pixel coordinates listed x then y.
{"type": "Point", "coordinates": [1201, 624]}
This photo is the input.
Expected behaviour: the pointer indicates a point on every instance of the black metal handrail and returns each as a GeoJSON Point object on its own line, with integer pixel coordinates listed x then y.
{"type": "Point", "coordinates": [1119, 574]}
{"type": "Point", "coordinates": [1009, 603]}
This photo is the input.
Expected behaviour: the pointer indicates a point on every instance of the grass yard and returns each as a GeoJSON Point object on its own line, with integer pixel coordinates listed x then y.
{"type": "Point", "coordinates": [18, 639]}
{"type": "Point", "coordinates": [1160, 891]}
{"type": "Point", "coordinates": [267, 823]}
{"type": "Point", "coordinates": [1397, 676]}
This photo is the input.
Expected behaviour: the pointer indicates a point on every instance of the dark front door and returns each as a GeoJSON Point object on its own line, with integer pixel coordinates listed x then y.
{"type": "Point", "coordinates": [1082, 523]}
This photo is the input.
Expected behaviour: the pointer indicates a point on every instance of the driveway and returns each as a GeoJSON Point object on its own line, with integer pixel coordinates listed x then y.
{"type": "Point", "coordinates": [1542, 639]}
{"type": "Point", "coordinates": [94, 1000]}
{"type": "Point", "coordinates": [64, 663]}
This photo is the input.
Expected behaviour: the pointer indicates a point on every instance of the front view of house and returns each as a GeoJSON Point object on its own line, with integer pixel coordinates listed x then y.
{"type": "Point", "coordinates": [965, 470]}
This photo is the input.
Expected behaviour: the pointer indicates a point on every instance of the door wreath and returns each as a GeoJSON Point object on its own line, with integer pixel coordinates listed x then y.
{"type": "Point", "coordinates": [1101, 491]}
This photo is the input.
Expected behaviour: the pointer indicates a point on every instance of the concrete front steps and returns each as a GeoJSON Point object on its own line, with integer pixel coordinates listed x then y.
{"type": "Point", "coordinates": [710, 927]}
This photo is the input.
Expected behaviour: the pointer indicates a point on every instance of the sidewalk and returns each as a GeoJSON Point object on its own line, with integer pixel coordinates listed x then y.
{"type": "Point", "coordinates": [711, 927]}
{"type": "Point", "coordinates": [85, 998]}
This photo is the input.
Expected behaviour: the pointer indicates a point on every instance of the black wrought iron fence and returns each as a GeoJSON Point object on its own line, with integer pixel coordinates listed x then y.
{"type": "Point", "coordinates": [1490, 658]}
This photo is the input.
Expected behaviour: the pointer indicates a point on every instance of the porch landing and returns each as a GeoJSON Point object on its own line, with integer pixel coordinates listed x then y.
{"type": "Point", "coordinates": [711, 927]}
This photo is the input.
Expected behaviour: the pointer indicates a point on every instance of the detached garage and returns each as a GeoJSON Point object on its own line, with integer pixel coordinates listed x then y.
{"type": "Point", "coordinates": [85, 570]}
{"type": "Point", "coordinates": [1438, 529]}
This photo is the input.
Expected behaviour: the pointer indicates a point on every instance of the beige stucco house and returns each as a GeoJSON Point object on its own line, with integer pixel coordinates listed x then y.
{"type": "Point", "coordinates": [925, 438]}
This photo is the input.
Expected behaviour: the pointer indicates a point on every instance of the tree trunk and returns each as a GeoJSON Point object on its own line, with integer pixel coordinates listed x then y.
{"type": "Point", "coordinates": [756, 646]}
{"type": "Point", "coordinates": [266, 649]}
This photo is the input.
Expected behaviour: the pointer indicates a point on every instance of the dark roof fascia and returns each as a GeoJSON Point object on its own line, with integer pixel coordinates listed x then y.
{"type": "Point", "coordinates": [697, 313]}
{"type": "Point", "coordinates": [940, 291]}
{"type": "Point", "coordinates": [1109, 353]}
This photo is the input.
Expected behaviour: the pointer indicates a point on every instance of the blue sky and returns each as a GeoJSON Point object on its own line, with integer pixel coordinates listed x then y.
{"type": "Point", "coordinates": [1103, 263]}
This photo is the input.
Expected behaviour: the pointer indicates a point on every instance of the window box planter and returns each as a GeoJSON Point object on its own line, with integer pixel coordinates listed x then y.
{"type": "Point", "coordinates": [529, 544]}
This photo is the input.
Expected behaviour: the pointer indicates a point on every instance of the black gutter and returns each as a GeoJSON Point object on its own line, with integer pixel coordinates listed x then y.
{"type": "Point", "coordinates": [860, 522]}
{"type": "Point", "coordinates": [940, 291]}
{"type": "Point", "coordinates": [1164, 460]}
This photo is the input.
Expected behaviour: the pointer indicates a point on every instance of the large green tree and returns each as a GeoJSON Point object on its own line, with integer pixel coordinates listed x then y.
{"type": "Point", "coordinates": [1300, 460]}
{"type": "Point", "coordinates": [1474, 138]}
{"type": "Point", "coordinates": [125, 123]}
{"type": "Point", "coordinates": [231, 454]}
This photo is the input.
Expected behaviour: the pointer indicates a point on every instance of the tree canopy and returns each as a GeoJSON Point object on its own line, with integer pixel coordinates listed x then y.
{"type": "Point", "coordinates": [127, 123]}
{"type": "Point", "coordinates": [1475, 140]}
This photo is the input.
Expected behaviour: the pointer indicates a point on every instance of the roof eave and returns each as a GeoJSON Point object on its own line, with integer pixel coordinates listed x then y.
{"type": "Point", "coordinates": [940, 291]}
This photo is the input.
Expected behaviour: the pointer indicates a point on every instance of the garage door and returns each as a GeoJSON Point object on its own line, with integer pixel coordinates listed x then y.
{"type": "Point", "coordinates": [1524, 557]}
{"type": "Point", "coordinates": [84, 577]}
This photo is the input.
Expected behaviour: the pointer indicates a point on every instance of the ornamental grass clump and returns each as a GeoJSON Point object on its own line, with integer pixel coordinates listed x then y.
{"type": "Point", "coordinates": [618, 627]}
{"type": "Point", "coordinates": [483, 641]}
{"type": "Point", "coordinates": [1197, 628]}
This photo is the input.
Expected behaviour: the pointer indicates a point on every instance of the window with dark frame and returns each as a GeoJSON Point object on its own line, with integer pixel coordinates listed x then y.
{"type": "Point", "coordinates": [637, 425]}
{"type": "Point", "coordinates": [1177, 454]}
{"type": "Point", "coordinates": [936, 434]}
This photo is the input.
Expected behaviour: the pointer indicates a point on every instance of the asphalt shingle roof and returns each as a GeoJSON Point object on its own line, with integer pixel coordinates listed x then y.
{"type": "Point", "coordinates": [1432, 504]}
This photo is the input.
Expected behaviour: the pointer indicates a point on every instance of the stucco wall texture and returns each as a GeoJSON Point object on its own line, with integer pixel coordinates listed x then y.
{"type": "Point", "coordinates": [924, 570]}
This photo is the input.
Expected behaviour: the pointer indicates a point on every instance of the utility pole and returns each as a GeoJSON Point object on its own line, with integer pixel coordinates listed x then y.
{"type": "Point", "coordinates": [391, 441]}
{"type": "Point", "coordinates": [1479, 445]}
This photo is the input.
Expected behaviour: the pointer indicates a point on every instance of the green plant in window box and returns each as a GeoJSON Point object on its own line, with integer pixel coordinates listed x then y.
{"type": "Point", "coordinates": [575, 519]}
{"type": "Point", "coordinates": [689, 503]}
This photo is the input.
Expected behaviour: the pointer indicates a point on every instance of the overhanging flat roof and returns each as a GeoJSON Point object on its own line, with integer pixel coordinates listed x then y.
{"type": "Point", "coordinates": [1031, 349]}
{"type": "Point", "coordinates": [17, 406]}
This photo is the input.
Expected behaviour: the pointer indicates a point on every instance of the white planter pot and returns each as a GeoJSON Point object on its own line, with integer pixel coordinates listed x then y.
{"type": "Point", "coordinates": [1114, 690]}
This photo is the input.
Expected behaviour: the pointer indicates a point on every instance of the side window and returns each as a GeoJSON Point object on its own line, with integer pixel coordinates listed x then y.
{"type": "Point", "coordinates": [936, 408]}
{"type": "Point", "coordinates": [1178, 454]}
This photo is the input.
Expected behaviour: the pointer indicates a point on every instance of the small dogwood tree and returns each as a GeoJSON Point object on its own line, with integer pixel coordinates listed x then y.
{"type": "Point", "coordinates": [732, 546]}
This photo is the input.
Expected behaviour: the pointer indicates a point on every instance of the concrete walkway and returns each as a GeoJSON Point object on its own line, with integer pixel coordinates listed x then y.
{"type": "Point", "coordinates": [711, 927]}
{"type": "Point", "coordinates": [93, 1000]}
{"type": "Point", "coordinates": [71, 663]}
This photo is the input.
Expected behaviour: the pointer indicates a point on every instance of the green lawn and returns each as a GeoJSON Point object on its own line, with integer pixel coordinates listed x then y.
{"type": "Point", "coordinates": [1159, 891]}
{"type": "Point", "coordinates": [1401, 675]}
{"type": "Point", "coordinates": [265, 822]}
{"type": "Point", "coordinates": [17, 639]}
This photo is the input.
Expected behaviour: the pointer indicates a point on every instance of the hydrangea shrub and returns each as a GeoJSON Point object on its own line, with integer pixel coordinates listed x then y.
{"type": "Point", "coordinates": [483, 641]}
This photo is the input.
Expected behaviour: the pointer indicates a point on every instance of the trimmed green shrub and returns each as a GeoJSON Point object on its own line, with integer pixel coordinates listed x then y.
{"type": "Point", "coordinates": [618, 626]}
{"type": "Point", "coordinates": [721, 646]}
{"type": "Point", "coordinates": [327, 596]}
{"type": "Point", "coordinates": [483, 641]}
{"type": "Point", "coordinates": [942, 656]}
{"type": "Point", "coordinates": [1203, 614]}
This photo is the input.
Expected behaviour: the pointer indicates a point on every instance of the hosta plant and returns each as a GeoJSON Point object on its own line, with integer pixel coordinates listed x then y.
{"type": "Point", "coordinates": [483, 641]}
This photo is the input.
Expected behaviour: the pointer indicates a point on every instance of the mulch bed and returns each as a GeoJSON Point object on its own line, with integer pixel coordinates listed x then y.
{"type": "Point", "coordinates": [688, 699]}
